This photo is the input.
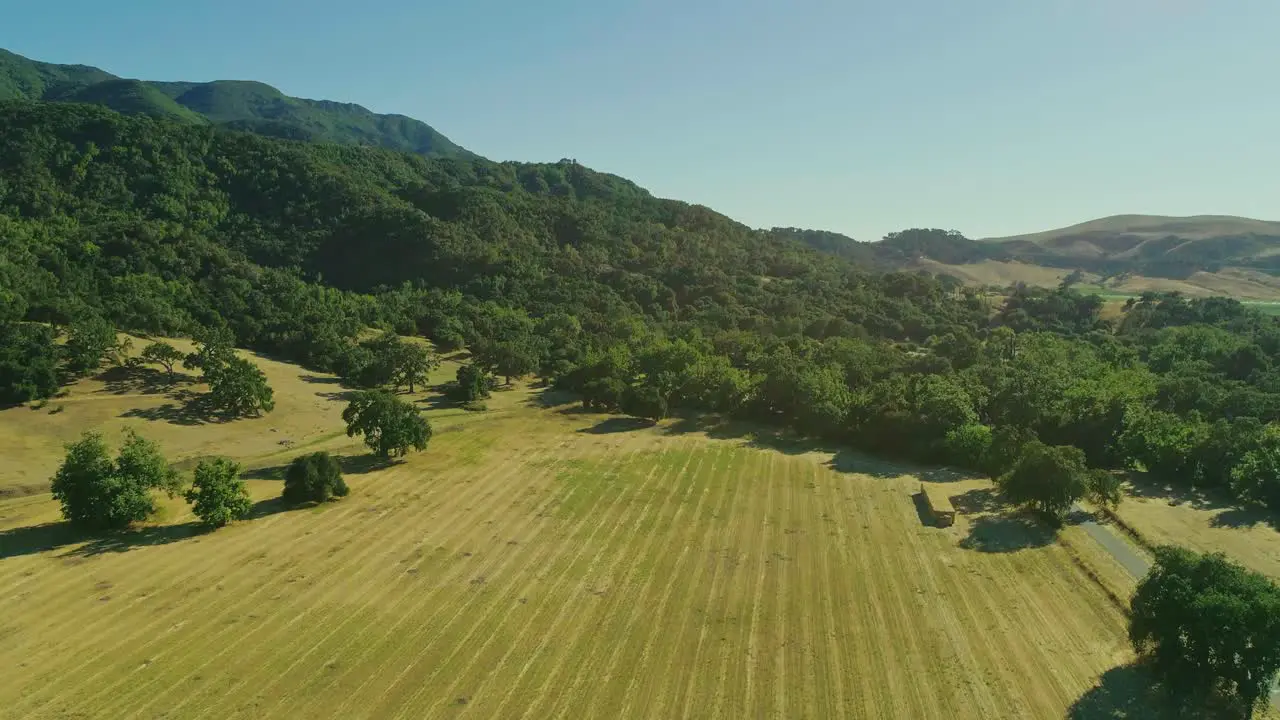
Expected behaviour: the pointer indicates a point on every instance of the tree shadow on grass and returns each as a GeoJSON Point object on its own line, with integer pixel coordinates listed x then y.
{"type": "Point", "coordinates": [617, 425]}
{"type": "Point", "coordinates": [190, 409]}
{"type": "Point", "coordinates": [320, 380]}
{"type": "Point", "coordinates": [1246, 517]}
{"type": "Point", "coordinates": [1129, 692]}
{"type": "Point", "coordinates": [1007, 533]}
{"type": "Point", "coordinates": [552, 398]}
{"type": "Point", "coordinates": [350, 464]}
{"type": "Point", "coordinates": [977, 501]}
{"type": "Point", "coordinates": [35, 539]}
{"type": "Point", "coordinates": [1140, 485]}
{"type": "Point", "coordinates": [141, 380]}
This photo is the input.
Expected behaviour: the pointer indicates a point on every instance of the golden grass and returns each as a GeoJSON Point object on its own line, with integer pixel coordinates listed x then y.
{"type": "Point", "coordinates": [539, 563]}
{"type": "Point", "coordinates": [1247, 535]}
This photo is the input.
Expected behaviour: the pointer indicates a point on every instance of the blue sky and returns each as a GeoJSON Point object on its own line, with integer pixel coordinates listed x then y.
{"type": "Point", "coordinates": [991, 117]}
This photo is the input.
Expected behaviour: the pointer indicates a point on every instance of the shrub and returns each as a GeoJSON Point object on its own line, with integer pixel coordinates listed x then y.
{"type": "Point", "coordinates": [314, 478]}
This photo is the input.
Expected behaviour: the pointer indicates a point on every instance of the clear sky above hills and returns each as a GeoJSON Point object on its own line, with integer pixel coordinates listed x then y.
{"type": "Point", "coordinates": [992, 117]}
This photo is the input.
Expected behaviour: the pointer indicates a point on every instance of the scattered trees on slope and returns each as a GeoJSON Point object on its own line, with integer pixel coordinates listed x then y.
{"type": "Point", "coordinates": [622, 297]}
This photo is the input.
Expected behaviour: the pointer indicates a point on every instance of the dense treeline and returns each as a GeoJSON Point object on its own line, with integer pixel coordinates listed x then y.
{"type": "Point", "coordinates": [640, 304]}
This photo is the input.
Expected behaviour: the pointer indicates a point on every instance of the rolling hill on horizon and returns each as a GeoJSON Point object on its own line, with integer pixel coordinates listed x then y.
{"type": "Point", "coordinates": [237, 104]}
{"type": "Point", "coordinates": [1124, 254]}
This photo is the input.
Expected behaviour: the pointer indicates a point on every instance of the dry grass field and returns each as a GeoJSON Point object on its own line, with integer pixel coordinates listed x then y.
{"type": "Point", "coordinates": [1171, 517]}
{"type": "Point", "coordinates": [540, 562]}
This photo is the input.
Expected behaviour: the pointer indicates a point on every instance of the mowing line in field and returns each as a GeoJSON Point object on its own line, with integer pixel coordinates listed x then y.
{"type": "Point", "coordinates": [619, 528]}
{"type": "Point", "coordinates": [480, 691]}
{"type": "Point", "coordinates": [754, 657]}
{"type": "Point", "coordinates": [949, 582]}
{"type": "Point", "coordinates": [498, 605]}
{"type": "Point", "coordinates": [333, 522]}
{"type": "Point", "coordinates": [266, 645]}
{"type": "Point", "coordinates": [1014, 634]}
{"type": "Point", "coordinates": [733, 649]}
{"type": "Point", "coordinates": [389, 703]}
{"type": "Point", "coordinates": [675, 576]}
{"type": "Point", "coordinates": [121, 561]}
{"type": "Point", "coordinates": [534, 513]}
{"type": "Point", "coordinates": [676, 662]}
{"type": "Point", "coordinates": [639, 605]}
{"type": "Point", "coordinates": [733, 492]}
{"type": "Point", "coordinates": [695, 548]}
{"type": "Point", "coordinates": [621, 499]}
{"type": "Point", "coordinates": [831, 662]}
{"type": "Point", "coordinates": [301, 605]}
{"type": "Point", "coordinates": [350, 615]}
{"type": "Point", "coordinates": [791, 581]}
{"type": "Point", "coordinates": [619, 554]}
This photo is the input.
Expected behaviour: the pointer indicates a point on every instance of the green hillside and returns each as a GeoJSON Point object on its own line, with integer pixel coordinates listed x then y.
{"type": "Point", "coordinates": [241, 105]}
{"type": "Point", "coordinates": [630, 302]}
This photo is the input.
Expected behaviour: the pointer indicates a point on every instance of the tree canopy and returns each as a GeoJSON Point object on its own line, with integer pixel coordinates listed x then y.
{"type": "Point", "coordinates": [390, 426]}
{"type": "Point", "coordinates": [1208, 628]}
{"type": "Point", "coordinates": [98, 493]}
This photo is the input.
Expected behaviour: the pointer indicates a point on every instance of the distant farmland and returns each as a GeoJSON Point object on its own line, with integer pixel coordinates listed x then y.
{"type": "Point", "coordinates": [537, 563]}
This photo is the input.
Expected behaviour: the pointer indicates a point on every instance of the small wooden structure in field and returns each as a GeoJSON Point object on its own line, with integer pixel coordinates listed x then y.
{"type": "Point", "coordinates": [939, 504]}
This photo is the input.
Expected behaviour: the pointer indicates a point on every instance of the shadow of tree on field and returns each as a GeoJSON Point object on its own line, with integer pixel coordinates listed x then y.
{"type": "Point", "coordinates": [617, 425]}
{"type": "Point", "coordinates": [34, 539]}
{"type": "Point", "coordinates": [552, 398]}
{"type": "Point", "coordinates": [1141, 486]}
{"type": "Point", "coordinates": [190, 409]}
{"type": "Point", "coordinates": [320, 380]}
{"type": "Point", "coordinates": [1129, 692]}
{"type": "Point", "coordinates": [350, 464]}
{"type": "Point", "coordinates": [1007, 533]}
{"type": "Point", "coordinates": [1245, 517]}
{"type": "Point", "coordinates": [977, 501]}
{"type": "Point", "coordinates": [141, 380]}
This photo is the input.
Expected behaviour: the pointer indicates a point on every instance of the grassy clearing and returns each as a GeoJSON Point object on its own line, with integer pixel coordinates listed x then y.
{"type": "Point", "coordinates": [542, 563]}
{"type": "Point", "coordinates": [1163, 516]}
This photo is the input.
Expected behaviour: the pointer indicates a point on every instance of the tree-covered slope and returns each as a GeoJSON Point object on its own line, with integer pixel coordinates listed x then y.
{"type": "Point", "coordinates": [243, 105]}
{"type": "Point", "coordinates": [633, 302]}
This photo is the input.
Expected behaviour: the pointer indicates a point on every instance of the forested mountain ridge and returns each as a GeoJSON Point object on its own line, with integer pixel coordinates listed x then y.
{"type": "Point", "coordinates": [242, 105]}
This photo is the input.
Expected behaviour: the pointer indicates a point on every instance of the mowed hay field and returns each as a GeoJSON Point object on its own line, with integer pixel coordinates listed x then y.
{"type": "Point", "coordinates": [539, 562]}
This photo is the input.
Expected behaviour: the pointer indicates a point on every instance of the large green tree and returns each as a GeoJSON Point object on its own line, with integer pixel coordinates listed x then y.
{"type": "Point", "coordinates": [217, 494]}
{"type": "Point", "coordinates": [1048, 478]}
{"type": "Point", "coordinates": [97, 493]}
{"type": "Point", "coordinates": [390, 426]}
{"type": "Point", "coordinates": [1208, 627]}
{"type": "Point", "coordinates": [163, 354]}
{"type": "Point", "coordinates": [237, 388]}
